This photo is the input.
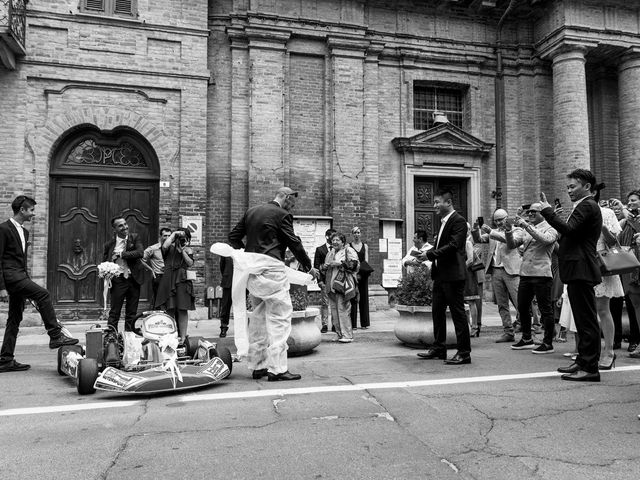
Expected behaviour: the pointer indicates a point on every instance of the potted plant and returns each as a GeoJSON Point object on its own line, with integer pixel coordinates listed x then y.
{"type": "Point", "coordinates": [413, 298]}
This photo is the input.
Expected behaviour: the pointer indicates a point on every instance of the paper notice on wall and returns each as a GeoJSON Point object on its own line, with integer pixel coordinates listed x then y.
{"type": "Point", "coordinates": [311, 233]}
{"type": "Point", "coordinates": [390, 280]}
{"type": "Point", "coordinates": [392, 267]}
{"type": "Point", "coordinates": [388, 229]}
{"type": "Point", "coordinates": [194, 224]}
{"type": "Point", "coordinates": [394, 249]}
{"type": "Point", "coordinates": [382, 245]}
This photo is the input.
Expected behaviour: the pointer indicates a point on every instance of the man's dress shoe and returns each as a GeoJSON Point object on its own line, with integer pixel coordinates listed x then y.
{"type": "Point", "coordinates": [458, 359]}
{"type": "Point", "coordinates": [573, 368]}
{"type": "Point", "coordinates": [581, 376]}
{"type": "Point", "coordinates": [283, 376]}
{"type": "Point", "coordinates": [432, 353]}
{"type": "Point", "coordinates": [13, 366]}
{"type": "Point", "coordinates": [256, 374]}
{"type": "Point", "coordinates": [61, 340]}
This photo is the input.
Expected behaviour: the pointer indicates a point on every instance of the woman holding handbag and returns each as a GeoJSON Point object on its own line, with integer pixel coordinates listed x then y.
{"type": "Point", "coordinates": [471, 286]}
{"type": "Point", "coordinates": [610, 287]}
{"type": "Point", "coordinates": [175, 292]}
{"type": "Point", "coordinates": [340, 268]}
{"type": "Point", "coordinates": [362, 249]}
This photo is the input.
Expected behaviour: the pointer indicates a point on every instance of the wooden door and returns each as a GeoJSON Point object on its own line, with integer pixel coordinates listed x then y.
{"type": "Point", "coordinates": [425, 190]}
{"type": "Point", "coordinates": [80, 226]}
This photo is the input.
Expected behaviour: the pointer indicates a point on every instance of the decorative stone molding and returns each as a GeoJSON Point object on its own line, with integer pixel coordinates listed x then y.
{"type": "Point", "coordinates": [443, 138]}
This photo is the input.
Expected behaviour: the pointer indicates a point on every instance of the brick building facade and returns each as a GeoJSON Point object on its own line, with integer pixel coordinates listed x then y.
{"type": "Point", "coordinates": [169, 109]}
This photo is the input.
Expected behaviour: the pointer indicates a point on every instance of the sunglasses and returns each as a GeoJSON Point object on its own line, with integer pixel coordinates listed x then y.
{"type": "Point", "coordinates": [532, 212]}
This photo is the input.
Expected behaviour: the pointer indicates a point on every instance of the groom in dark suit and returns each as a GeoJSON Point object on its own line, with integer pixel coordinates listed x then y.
{"type": "Point", "coordinates": [579, 269]}
{"type": "Point", "coordinates": [126, 250]}
{"type": "Point", "coordinates": [16, 286]}
{"type": "Point", "coordinates": [449, 272]}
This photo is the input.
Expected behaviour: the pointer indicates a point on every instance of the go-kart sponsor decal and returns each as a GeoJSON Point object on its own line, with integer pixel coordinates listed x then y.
{"type": "Point", "coordinates": [114, 379]}
{"type": "Point", "coordinates": [214, 368]}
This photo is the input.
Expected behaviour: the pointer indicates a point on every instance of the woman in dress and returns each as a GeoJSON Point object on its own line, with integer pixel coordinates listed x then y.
{"type": "Point", "coordinates": [362, 249]}
{"type": "Point", "coordinates": [471, 287]}
{"type": "Point", "coordinates": [342, 258]}
{"type": "Point", "coordinates": [610, 286]}
{"type": "Point", "coordinates": [175, 292]}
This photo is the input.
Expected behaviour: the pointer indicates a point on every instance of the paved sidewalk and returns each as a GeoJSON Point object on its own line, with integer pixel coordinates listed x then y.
{"type": "Point", "coordinates": [33, 333]}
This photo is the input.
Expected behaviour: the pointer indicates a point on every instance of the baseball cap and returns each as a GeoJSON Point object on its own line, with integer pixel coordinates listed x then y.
{"type": "Point", "coordinates": [535, 207]}
{"type": "Point", "coordinates": [287, 191]}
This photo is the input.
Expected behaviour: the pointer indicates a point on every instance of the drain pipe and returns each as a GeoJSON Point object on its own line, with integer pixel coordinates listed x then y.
{"type": "Point", "coordinates": [501, 160]}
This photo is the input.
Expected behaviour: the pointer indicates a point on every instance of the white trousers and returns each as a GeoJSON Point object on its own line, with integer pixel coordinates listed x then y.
{"type": "Point", "coordinates": [270, 322]}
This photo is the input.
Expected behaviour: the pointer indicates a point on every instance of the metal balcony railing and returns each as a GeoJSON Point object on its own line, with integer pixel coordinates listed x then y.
{"type": "Point", "coordinates": [13, 24]}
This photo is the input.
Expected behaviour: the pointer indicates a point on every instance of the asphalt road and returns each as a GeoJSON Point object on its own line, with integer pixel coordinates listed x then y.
{"type": "Point", "coordinates": [367, 410]}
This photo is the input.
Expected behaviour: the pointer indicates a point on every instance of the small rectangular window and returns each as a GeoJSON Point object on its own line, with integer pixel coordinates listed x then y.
{"type": "Point", "coordinates": [110, 7]}
{"type": "Point", "coordinates": [428, 99]}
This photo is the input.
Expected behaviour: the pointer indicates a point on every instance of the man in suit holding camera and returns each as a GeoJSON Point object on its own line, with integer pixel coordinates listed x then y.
{"type": "Point", "coordinates": [126, 250]}
{"type": "Point", "coordinates": [449, 273]}
{"type": "Point", "coordinates": [579, 270]}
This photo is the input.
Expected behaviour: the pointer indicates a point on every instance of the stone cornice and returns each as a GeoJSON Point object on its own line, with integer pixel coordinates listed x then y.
{"type": "Point", "coordinates": [348, 46]}
{"type": "Point", "coordinates": [443, 138]}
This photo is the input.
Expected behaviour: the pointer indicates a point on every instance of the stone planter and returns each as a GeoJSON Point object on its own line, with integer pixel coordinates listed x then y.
{"type": "Point", "coordinates": [305, 334]}
{"type": "Point", "coordinates": [414, 328]}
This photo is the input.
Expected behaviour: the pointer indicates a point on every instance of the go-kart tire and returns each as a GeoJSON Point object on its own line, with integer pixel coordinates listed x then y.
{"type": "Point", "coordinates": [86, 375]}
{"type": "Point", "coordinates": [67, 348]}
{"type": "Point", "coordinates": [191, 345]}
{"type": "Point", "coordinates": [225, 356]}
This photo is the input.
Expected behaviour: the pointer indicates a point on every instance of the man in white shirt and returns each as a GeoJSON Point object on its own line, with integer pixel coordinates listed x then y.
{"type": "Point", "coordinates": [16, 286]}
{"type": "Point", "coordinates": [153, 261]}
{"type": "Point", "coordinates": [417, 253]}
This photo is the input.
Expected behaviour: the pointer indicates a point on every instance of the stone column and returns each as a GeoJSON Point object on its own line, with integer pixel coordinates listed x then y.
{"type": "Point", "coordinates": [629, 123]}
{"type": "Point", "coordinates": [570, 119]}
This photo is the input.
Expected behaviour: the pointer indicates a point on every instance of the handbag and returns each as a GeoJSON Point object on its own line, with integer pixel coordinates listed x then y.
{"type": "Point", "coordinates": [615, 261]}
{"type": "Point", "coordinates": [365, 269]}
{"type": "Point", "coordinates": [340, 282]}
{"type": "Point", "coordinates": [477, 264]}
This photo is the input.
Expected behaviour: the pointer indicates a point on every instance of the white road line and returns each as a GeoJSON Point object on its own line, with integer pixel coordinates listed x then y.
{"type": "Point", "coordinates": [66, 408]}
{"type": "Point", "coordinates": [205, 397]}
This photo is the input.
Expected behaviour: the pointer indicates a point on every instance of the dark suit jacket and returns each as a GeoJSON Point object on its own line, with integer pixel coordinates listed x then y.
{"type": "Point", "coordinates": [133, 254]}
{"type": "Point", "coordinates": [13, 261]}
{"type": "Point", "coordinates": [450, 256]}
{"type": "Point", "coordinates": [320, 255]}
{"type": "Point", "coordinates": [269, 230]}
{"type": "Point", "coordinates": [577, 253]}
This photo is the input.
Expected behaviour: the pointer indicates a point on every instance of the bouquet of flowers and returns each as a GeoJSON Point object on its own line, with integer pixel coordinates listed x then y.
{"type": "Point", "coordinates": [108, 270]}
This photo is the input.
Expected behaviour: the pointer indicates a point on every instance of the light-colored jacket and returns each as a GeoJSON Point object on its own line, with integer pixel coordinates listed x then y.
{"type": "Point", "coordinates": [511, 257]}
{"type": "Point", "coordinates": [536, 243]}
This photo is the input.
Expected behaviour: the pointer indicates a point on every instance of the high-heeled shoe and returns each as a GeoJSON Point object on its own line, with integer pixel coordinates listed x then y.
{"type": "Point", "coordinates": [610, 366]}
{"type": "Point", "coordinates": [475, 331]}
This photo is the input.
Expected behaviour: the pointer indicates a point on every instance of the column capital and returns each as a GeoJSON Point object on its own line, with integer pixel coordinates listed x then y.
{"type": "Point", "coordinates": [629, 59]}
{"type": "Point", "coordinates": [565, 49]}
{"type": "Point", "coordinates": [348, 47]}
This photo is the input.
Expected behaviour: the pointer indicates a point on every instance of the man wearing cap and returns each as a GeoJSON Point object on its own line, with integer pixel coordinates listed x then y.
{"type": "Point", "coordinates": [536, 241]}
{"type": "Point", "coordinates": [503, 264]}
{"type": "Point", "coordinates": [268, 229]}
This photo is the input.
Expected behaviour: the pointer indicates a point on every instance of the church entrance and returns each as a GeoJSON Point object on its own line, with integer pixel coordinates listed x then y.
{"type": "Point", "coordinates": [425, 189]}
{"type": "Point", "coordinates": [94, 176]}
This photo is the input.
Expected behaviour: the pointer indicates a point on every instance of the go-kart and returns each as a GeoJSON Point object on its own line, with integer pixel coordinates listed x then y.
{"type": "Point", "coordinates": [149, 363]}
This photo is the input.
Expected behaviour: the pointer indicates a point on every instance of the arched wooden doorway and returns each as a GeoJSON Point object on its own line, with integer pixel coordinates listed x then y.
{"type": "Point", "coordinates": [94, 176]}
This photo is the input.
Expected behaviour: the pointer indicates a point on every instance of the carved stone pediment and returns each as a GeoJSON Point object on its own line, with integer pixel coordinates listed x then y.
{"type": "Point", "coordinates": [443, 138]}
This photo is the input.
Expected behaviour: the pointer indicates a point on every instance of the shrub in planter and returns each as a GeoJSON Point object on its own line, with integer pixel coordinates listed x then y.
{"type": "Point", "coordinates": [415, 288]}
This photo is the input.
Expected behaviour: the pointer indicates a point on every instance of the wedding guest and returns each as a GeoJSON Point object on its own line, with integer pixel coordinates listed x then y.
{"type": "Point", "coordinates": [471, 286]}
{"type": "Point", "coordinates": [175, 293]}
{"type": "Point", "coordinates": [610, 287]}
{"type": "Point", "coordinates": [152, 260]}
{"type": "Point", "coordinates": [318, 259]}
{"type": "Point", "coordinates": [362, 249]}
{"type": "Point", "coordinates": [417, 253]}
{"type": "Point", "coordinates": [341, 260]}
{"type": "Point", "coordinates": [579, 270]}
